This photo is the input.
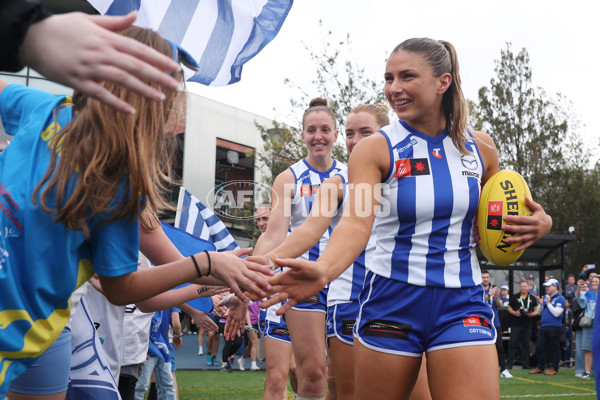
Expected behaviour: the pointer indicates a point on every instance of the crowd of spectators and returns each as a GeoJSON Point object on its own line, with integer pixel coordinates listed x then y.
{"type": "Point", "coordinates": [548, 326]}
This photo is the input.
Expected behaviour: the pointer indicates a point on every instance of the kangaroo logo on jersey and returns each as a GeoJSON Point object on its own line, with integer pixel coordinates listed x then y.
{"type": "Point", "coordinates": [494, 221]}
{"type": "Point", "coordinates": [469, 161]}
{"type": "Point", "coordinates": [412, 167]}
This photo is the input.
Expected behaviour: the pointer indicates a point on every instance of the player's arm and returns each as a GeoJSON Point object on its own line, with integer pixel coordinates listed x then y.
{"type": "Point", "coordinates": [307, 235]}
{"type": "Point", "coordinates": [489, 154]}
{"type": "Point", "coordinates": [279, 219]}
{"type": "Point", "coordinates": [158, 248]}
{"type": "Point", "coordinates": [368, 164]}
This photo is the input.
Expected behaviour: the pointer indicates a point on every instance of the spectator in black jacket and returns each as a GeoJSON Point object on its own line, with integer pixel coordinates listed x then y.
{"type": "Point", "coordinates": [522, 307]}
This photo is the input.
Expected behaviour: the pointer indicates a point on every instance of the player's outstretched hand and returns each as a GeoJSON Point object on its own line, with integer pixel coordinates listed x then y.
{"type": "Point", "coordinates": [203, 321]}
{"type": "Point", "coordinates": [235, 319]}
{"type": "Point", "coordinates": [302, 280]}
{"type": "Point", "coordinates": [81, 51]}
{"type": "Point", "coordinates": [238, 273]}
{"type": "Point", "coordinates": [530, 227]}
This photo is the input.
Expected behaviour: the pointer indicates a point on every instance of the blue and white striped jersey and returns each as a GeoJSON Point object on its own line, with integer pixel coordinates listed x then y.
{"type": "Point", "coordinates": [427, 237]}
{"type": "Point", "coordinates": [347, 287]}
{"type": "Point", "coordinates": [307, 182]}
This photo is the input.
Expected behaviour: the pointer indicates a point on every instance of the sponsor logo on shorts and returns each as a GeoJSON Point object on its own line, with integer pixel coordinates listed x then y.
{"type": "Point", "coordinates": [262, 324]}
{"type": "Point", "coordinates": [411, 167]}
{"type": "Point", "coordinates": [476, 320]}
{"type": "Point", "coordinates": [312, 300]}
{"type": "Point", "coordinates": [280, 331]}
{"type": "Point", "coordinates": [387, 329]}
{"type": "Point", "coordinates": [347, 327]}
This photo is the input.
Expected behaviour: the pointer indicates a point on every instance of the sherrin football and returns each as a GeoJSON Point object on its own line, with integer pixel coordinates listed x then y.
{"type": "Point", "coordinates": [503, 194]}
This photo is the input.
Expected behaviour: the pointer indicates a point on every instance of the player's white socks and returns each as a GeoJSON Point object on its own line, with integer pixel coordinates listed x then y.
{"type": "Point", "coordinates": [300, 397]}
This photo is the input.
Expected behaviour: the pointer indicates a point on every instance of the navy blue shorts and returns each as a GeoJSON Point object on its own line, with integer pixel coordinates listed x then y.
{"type": "Point", "coordinates": [340, 321]}
{"type": "Point", "coordinates": [274, 330]}
{"type": "Point", "coordinates": [317, 303]}
{"type": "Point", "coordinates": [403, 319]}
{"type": "Point", "coordinates": [49, 373]}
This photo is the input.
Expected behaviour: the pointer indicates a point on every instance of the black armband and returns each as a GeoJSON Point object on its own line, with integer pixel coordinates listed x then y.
{"type": "Point", "coordinates": [16, 16]}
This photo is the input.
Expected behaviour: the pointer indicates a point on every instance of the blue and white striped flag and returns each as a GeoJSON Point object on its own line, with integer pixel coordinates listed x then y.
{"type": "Point", "coordinates": [195, 218]}
{"type": "Point", "coordinates": [222, 35]}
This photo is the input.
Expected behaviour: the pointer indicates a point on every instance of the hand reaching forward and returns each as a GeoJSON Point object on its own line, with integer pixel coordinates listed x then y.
{"type": "Point", "coordinates": [81, 51]}
{"type": "Point", "coordinates": [530, 228]}
{"type": "Point", "coordinates": [235, 319]}
{"type": "Point", "coordinates": [302, 280]}
{"type": "Point", "coordinates": [238, 273]}
{"type": "Point", "coordinates": [203, 321]}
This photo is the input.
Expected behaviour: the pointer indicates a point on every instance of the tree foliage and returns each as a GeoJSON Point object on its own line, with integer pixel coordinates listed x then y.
{"type": "Point", "coordinates": [537, 136]}
{"type": "Point", "coordinates": [282, 146]}
{"type": "Point", "coordinates": [342, 81]}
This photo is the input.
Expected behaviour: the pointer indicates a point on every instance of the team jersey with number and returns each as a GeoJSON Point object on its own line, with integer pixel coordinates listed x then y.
{"type": "Point", "coordinates": [307, 182]}
{"type": "Point", "coordinates": [425, 225]}
{"type": "Point", "coordinates": [347, 287]}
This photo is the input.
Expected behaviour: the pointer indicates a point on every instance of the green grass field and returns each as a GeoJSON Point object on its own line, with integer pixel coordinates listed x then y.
{"type": "Point", "coordinates": [248, 385]}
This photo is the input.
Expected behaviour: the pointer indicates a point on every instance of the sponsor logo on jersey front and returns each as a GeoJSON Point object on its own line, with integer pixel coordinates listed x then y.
{"type": "Point", "coordinates": [436, 153]}
{"type": "Point", "coordinates": [469, 161]}
{"type": "Point", "coordinates": [305, 191]}
{"type": "Point", "coordinates": [412, 167]}
{"type": "Point", "coordinates": [308, 190]}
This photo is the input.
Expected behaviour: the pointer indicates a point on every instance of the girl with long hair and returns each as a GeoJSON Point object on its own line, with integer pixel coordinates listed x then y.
{"type": "Point", "coordinates": [74, 181]}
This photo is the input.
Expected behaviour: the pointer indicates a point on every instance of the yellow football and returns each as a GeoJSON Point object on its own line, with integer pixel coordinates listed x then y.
{"type": "Point", "coordinates": [503, 194]}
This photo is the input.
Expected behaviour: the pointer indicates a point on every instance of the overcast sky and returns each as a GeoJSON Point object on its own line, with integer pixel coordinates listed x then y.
{"type": "Point", "coordinates": [562, 39]}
